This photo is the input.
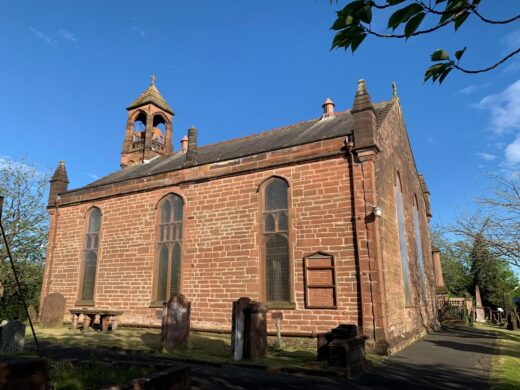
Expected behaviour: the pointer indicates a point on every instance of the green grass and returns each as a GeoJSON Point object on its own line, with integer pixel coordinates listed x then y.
{"type": "Point", "coordinates": [92, 375]}
{"type": "Point", "coordinates": [505, 373]}
{"type": "Point", "coordinates": [205, 347]}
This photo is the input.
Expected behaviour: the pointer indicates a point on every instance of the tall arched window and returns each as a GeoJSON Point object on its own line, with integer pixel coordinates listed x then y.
{"type": "Point", "coordinates": [402, 239]}
{"type": "Point", "coordinates": [169, 247]}
{"type": "Point", "coordinates": [90, 255]}
{"type": "Point", "coordinates": [276, 241]}
{"type": "Point", "coordinates": [418, 242]}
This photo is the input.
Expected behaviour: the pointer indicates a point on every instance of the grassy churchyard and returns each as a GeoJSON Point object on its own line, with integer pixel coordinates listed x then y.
{"type": "Point", "coordinates": [505, 372]}
{"type": "Point", "coordinates": [202, 347]}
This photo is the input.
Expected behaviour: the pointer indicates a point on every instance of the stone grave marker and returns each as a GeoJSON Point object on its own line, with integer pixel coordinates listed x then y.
{"type": "Point", "coordinates": [249, 329]}
{"type": "Point", "coordinates": [12, 337]}
{"type": "Point", "coordinates": [53, 310]}
{"type": "Point", "coordinates": [32, 313]}
{"type": "Point", "coordinates": [479, 309]}
{"type": "Point", "coordinates": [512, 320]}
{"type": "Point", "coordinates": [238, 327]}
{"type": "Point", "coordinates": [175, 328]}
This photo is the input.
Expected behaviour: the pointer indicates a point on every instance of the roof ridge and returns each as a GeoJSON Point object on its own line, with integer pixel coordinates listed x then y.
{"type": "Point", "coordinates": [262, 133]}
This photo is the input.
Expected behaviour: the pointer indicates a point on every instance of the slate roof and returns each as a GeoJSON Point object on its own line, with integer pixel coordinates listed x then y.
{"type": "Point", "coordinates": [151, 95]}
{"type": "Point", "coordinates": [299, 134]}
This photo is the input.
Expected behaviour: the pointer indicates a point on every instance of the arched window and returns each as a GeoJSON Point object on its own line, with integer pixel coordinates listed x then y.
{"type": "Point", "coordinates": [418, 242]}
{"type": "Point", "coordinates": [169, 247]}
{"type": "Point", "coordinates": [90, 255]}
{"type": "Point", "coordinates": [276, 241]}
{"type": "Point", "coordinates": [402, 239]}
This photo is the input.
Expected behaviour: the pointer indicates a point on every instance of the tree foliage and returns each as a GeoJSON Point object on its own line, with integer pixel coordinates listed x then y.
{"type": "Point", "coordinates": [491, 274]}
{"type": "Point", "coordinates": [25, 222]}
{"type": "Point", "coordinates": [411, 18]}
{"type": "Point", "coordinates": [497, 220]}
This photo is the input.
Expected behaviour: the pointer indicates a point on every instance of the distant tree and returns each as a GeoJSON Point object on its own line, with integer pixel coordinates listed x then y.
{"type": "Point", "coordinates": [25, 221]}
{"type": "Point", "coordinates": [456, 263]}
{"type": "Point", "coordinates": [496, 221]}
{"type": "Point", "coordinates": [411, 18]}
{"type": "Point", "coordinates": [491, 274]}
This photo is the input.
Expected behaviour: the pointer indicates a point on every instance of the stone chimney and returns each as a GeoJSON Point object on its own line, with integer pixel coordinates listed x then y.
{"type": "Point", "coordinates": [59, 183]}
{"type": "Point", "coordinates": [328, 109]}
{"type": "Point", "coordinates": [184, 143]}
{"type": "Point", "coordinates": [364, 119]}
{"type": "Point", "coordinates": [191, 151]}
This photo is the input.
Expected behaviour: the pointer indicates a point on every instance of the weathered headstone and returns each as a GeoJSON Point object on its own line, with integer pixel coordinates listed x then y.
{"type": "Point", "coordinates": [175, 328]}
{"type": "Point", "coordinates": [278, 343]}
{"type": "Point", "coordinates": [238, 327]}
{"type": "Point", "coordinates": [12, 337]}
{"type": "Point", "coordinates": [32, 313]}
{"type": "Point", "coordinates": [249, 329]}
{"type": "Point", "coordinates": [479, 309]}
{"type": "Point", "coordinates": [343, 347]}
{"type": "Point", "coordinates": [53, 311]}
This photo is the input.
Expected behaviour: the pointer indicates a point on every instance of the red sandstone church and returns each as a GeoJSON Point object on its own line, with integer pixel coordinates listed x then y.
{"type": "Point", "coordinates": [325, 221]}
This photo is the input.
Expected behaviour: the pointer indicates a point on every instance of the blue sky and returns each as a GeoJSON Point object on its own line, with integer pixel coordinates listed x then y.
{"type": "Point", "coordinates": [232, 68]}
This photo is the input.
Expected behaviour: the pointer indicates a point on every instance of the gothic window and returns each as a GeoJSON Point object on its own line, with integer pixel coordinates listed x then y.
{"type": "Point", "coordinates": [276, 241]}
{"type": "Point", "coordinates": [402, 240]}
{"type": "Point", "coordinates": [169, 247]}
{"type": "Point", "coordinates": [90, 255]}
{"type": "Point", "coordinates": [418, 242]}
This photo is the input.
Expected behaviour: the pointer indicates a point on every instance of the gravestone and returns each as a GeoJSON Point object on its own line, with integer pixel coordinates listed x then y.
{"type": "Point", "coordinates": [480, 317]}
{"type": "Point", "coordinates": [278, 343]}
{"type": "Point", "coordinates": [249, 329]}
{"type": "Point", "coordinates": [53, 310]}
{"type": "Point", "coordinates": [32, 313]}
{"type": "Point", "coordinates": [343, 347]}
{"type": "Point", "coordinates": [175, 328]}
{"type": "Point", "coordinates": [512, 320]}
{"type": "Point", "coordinates": [12, 337]}
{"type": "Point", "coordinates": [238, 327]}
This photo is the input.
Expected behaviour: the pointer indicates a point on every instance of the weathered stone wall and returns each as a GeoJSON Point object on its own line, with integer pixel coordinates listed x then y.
{"type": "Point", "coordinates": [221, 259]}
{"type": "Point", "coordinates": [404, 323]}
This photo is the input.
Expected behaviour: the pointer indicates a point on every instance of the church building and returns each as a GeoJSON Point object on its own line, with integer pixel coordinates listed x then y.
{"type": "Point", "coordinates": [325, 221]}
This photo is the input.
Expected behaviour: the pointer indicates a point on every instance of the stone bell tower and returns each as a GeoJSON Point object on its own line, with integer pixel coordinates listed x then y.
{"type": "Point", "coordinates": [148, 129]}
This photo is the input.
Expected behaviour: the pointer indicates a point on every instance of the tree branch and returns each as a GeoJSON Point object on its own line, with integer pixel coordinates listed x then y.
{"type": "Point", "coordinates": [486, 20]}
{"type": "Point", "coordinates": [512, 54]}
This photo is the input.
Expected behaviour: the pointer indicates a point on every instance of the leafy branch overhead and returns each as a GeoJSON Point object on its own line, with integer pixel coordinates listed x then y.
{"type": "Point", "coordinates": [412, 18]}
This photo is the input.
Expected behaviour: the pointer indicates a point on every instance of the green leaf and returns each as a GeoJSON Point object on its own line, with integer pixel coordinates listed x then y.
{"type": "Point", "coordinates": [365, 13]}
{"type": "Point", "coordinates": [459, 53]}
{"type": "Point", "coordinates": [460, 20]}
{"type": "Point", "coordinates": [356, 41]}
{"type": "Point", "coordinates": [444, 74]}
{"type": "Point", "coordinates": [413, 24]}
{"type": "Point", "coordinates": [402, 15]}
{"type": "Point", "coordinates": [440, 55]}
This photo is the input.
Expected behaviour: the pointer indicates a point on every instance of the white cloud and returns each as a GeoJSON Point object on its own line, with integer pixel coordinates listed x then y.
{"type": "Point", "coordinates": [43, 37]}
{"type": "Point", "coordinates": [140, 31]}
{"type": "Point", "coordinates": [512, 151]}
{"type": "Point", "coordinates": [512, 40]}
{"type": "Point", "coordinates": [504, 108]}
{"type": "Point", "coordinates": [92, 175]}
{"type": "Point", "coordinates": [468, 90]}
{"type": "Point", "coordinates": [487, 156]}
{"type": "Point", "coordinates": [68, 36]}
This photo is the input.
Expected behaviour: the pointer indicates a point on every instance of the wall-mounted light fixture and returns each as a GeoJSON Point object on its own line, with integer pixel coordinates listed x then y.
{"type": "Point", "coordinates": [378, 211]}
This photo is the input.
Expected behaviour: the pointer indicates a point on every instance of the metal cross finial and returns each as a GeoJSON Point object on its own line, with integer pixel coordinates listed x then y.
{"type": "Point", "coordinates": [394, 89]}
{"type": "Point", "coordinates": [153, 77]}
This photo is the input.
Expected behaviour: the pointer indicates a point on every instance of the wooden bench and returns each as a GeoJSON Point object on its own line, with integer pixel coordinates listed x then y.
{"type": "Point", "coordinates": [106, 318]}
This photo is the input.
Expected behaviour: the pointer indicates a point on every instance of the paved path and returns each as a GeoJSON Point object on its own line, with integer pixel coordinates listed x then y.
{"type": "Point", "coordinates": [453, 358]}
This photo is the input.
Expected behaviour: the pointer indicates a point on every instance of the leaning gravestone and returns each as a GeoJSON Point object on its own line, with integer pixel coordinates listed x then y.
{"type": "Point", "coordinates": [53, 310]}
{"type": "Point", "coordinates": [12, 337]}
{"type": "Point", "coordinates": [175, 328]}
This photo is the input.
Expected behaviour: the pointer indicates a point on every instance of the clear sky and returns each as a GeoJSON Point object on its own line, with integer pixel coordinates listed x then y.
{"type": "Point", "coordinates": [69, 69]}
